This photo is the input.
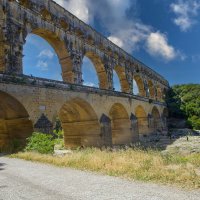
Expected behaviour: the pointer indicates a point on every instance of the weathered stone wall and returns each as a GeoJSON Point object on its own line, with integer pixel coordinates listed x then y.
{"type": "Point", "coordinates": [72, 40]}
{"type": "Point", "coordinates": [89, 116]}
{"type": "Point", "coordinates": [81, 109]}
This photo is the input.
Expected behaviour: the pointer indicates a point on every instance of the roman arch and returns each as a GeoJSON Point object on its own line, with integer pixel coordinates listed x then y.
{"type": "Point", "coordinates": [97, 116]}
{"type": "Point", "coordinates": [15, 125]}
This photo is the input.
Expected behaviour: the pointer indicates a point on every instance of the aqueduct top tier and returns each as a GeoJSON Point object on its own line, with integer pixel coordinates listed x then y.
{"type": "Point", "coordinates": [72, 39]}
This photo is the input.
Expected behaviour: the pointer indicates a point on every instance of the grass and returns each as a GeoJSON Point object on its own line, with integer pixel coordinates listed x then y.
{"type": "Point", "coordinates": [132, 164]}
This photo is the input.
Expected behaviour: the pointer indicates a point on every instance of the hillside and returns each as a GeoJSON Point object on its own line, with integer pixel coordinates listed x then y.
{"type": "Point", "coordinates": [184, 103]}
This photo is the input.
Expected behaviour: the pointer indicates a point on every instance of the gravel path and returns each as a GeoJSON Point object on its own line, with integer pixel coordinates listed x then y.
{"type": "Point", "coordinates": [22, 180]}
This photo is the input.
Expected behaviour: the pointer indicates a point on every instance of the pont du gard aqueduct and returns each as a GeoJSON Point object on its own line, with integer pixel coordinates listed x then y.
{"type": "Point", "coordinates": [89, 116]}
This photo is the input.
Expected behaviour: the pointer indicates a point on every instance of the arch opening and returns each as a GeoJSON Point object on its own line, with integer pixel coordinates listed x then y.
{"type": "Point", "coordinates": [140, 85]}
{"type": "Point", "coordinates": [122, 80]}
{"type": "Point", "coordinates": [46, 56]}
{"type": "Point", "coordinates": [116, 82]}
{"type": "Point", "coordinates": [15, 125]}
{"type": "Point", "coordinates": [120, 124]}
{"type": "Point", "coordinates": [142, 120]}
{"type": "Point", "coordinates": [135, 88]}
{"type": "Point", "coordinates": [80, 124]}
{"type": "Point", "coordinates": [98, 77]}
{"type": "Point", "coordinates": [93, 71]}
{"type": "Point", "coordinates": [156, 119]}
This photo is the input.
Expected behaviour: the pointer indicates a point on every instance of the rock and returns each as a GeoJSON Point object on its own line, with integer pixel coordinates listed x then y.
{"type": "Point", "coordinates": [62, 152]}
{"type": "Point", "coordinates": [183, 146]}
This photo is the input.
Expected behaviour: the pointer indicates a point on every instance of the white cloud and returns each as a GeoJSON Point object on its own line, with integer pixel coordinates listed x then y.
{"type": "Point", "coordinates": [46, 53]}
{"type": "Point", "coordinates": [135, 88]}
{"type": "Point", "coordinates": [157, 45]}
{"type": "Point", "coordinates": [43, 65]}
{"type": "Point", "coordinates": [116, 40]}
{"type": "Point", "coordinates": [130, 38]}
{"type": "Point", "coordinates": [127, 32]}
{"type": "Point", "coordinates": [89, 84]}
{"type": "Point", "coordinates": [185, 11]}
{"type": "Point", "coordinates": [77, 7]}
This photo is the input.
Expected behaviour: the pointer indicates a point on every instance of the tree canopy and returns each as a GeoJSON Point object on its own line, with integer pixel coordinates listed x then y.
{"type": "Point", "coordinates": [184, 102]}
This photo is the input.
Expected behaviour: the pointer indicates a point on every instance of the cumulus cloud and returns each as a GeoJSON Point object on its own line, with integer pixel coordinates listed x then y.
{"type": "Point", "coordinates": [135, 88]}
{"type": "Point", "coordinates": [77, 7]}
{"type": "Point", "coordinates": [185, 11]}
{"type": "Point", "coordinates": [43, 65]}
{"type": "Point", "coordinates": [116, 40]}
{"type": "Point", "coordinates": [127, 32]}
{"type": "Point", "coordinates": [90, 84]}
{"type": "Point", "coordinates": [46, 53]}
{"type": "Point", "coordinates": [157, 44]}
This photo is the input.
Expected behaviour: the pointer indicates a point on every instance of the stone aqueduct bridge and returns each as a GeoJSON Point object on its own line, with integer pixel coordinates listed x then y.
{"type": "Point", "coordinates": [89, 116]}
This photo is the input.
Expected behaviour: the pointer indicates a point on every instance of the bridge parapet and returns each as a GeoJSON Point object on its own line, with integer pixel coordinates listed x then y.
{"type": "Point", "coordinates": [60, 85]}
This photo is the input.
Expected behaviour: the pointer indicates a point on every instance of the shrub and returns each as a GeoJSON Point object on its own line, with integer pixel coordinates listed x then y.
{"type": "Point", "coordinates": [40, 143]}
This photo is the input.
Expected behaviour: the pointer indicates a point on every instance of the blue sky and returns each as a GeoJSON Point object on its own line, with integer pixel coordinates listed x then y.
{"type": "Point", "coordinates": [164, 34]}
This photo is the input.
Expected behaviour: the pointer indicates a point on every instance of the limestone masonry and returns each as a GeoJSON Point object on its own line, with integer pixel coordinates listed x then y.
{"type": "Point", "coordinates": [89, 116]}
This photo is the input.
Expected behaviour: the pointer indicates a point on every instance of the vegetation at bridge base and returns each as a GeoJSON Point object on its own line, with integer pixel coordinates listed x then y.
{"type": "Point", "coordinates": [41, 143]}
{"type": "Point", "coordinates": [184, 103]}
{"type": "Point", "coordinates": [132, 164]}
{"type": "Point", "coordinates": [44, 143]}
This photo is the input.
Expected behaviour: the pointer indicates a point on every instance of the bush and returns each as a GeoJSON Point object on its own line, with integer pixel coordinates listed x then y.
{"type": "Point", "coordinates": [40, 143]}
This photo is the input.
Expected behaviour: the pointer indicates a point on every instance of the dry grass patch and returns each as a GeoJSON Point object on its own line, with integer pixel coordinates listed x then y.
{"type": "Point", "coordinates": [131, 164]}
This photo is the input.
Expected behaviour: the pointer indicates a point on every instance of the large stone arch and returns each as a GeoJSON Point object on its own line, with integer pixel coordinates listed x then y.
{"type": "Point", "coordinates": [140, 85]}
{"type": "Point", "coordinates": [15, 125]}
{"type": "Point", "coordinates": [80, 124]}
{"type": "Point", "coordinates": [156, 119]}
{"type": "Point", "coordinates": [120, 124]}
{"type": "Point", "coordinates": [142, 120]}
{"type": "Point", "coordinates": [60, 48]}
{"type": "Point", "coordinates": [122, 78]}
{"type": "Point", "coordinates": [100, 69]}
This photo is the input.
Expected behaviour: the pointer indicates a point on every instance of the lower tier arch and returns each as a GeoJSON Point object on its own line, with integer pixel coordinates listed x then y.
{"type": "Point", "coordinates": [15, 125]}
{"type": "Point", "coordinates": [80, 124]}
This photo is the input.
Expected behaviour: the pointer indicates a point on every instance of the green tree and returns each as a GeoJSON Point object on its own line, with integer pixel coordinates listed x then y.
{"type": "Point", "coordinates": [184, 102]}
